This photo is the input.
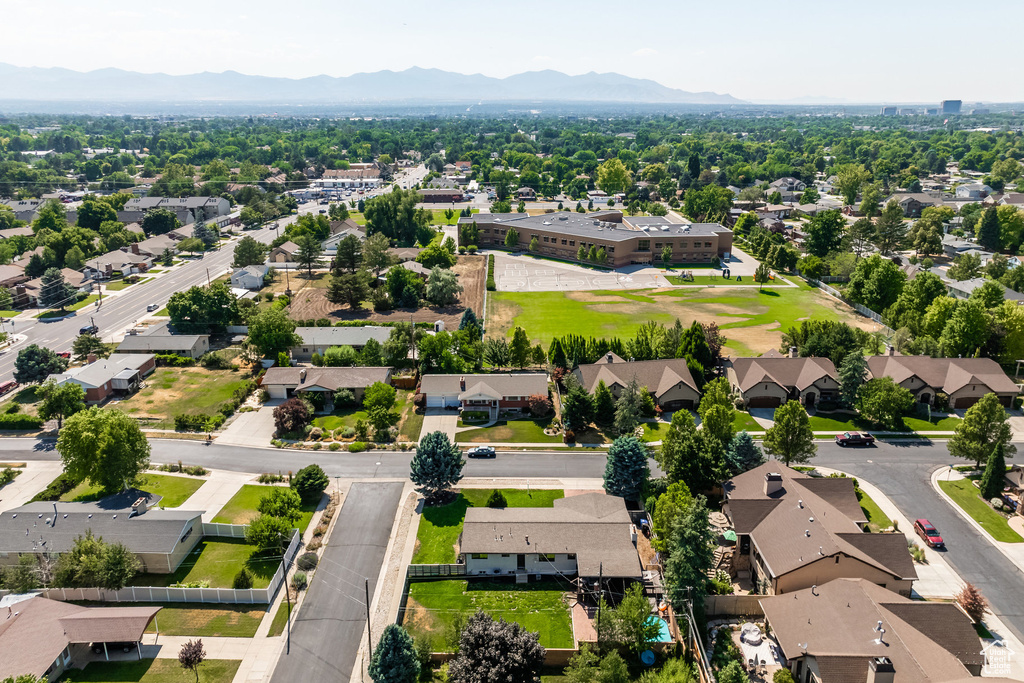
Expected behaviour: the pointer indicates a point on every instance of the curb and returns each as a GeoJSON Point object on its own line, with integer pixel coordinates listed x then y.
{"type": "Point", "coordinates": [970, 520]}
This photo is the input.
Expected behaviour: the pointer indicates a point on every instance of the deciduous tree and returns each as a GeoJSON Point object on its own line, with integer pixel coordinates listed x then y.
{"type": "Point", "coordinates": [191, 656]}
{"type": "Point", "coordinates": [249, 252]}
{"type": "Point", "coordinates": [492, 650]}
{"type": "Point", "coordinates": [443, 287]}
{"type": "Point", "coordinates": [104, 446]}
{"type": "Point", "coordinates": [790, 439]}
{"type": "Point", "coordinates": [310, 482]}
{"type": "Point", "coordinates": [61, 401]}
{"type": "Point", "coordinates": [882, 401]}
{"type": "Point", "coordinates": [271, 332]}
{"type": "Point", "coordinates": [985, 425]}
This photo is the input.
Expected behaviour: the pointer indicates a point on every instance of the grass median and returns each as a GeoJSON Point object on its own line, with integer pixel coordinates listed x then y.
{"type": "Point", "coordinates": [965, 494]}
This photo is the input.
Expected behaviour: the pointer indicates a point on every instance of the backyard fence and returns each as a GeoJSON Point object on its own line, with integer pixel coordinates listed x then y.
{"type": "Point", "coordinates": [260, 596]}
{"type": "Point", "coordinates": [224, 530]}
{"type": "Point", "coordinates": [733, 606]}
{"type": "Point", "coordinates": [863, 310]}
{"type": "Point", "coordinates": [417, 571]}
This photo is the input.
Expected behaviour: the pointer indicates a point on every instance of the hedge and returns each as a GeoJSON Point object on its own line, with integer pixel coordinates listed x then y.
{"type": "Point", "coordinates": [191, 422]}
{"type": "Point", "coordinates": [57, 488]}
{"type": "Point", "coordinates": [490, 273]}
{"type": "Point", "coordinates": [174, 360]}
{"type": "Point", "coordinates": [20, 421]}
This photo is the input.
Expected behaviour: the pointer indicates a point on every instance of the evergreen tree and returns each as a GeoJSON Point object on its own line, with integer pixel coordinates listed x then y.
{"type": "Point", "coordinates": [853, 372]}
{"type": "Point", "coordinates": [890, 229]}
{"type": "Point", "coordinates": [604, 404]}
{"type": "Point", "coordinates": [54, 291]}
{"type": "Point", "coordinates": [743, 454]}
{"type": "Point", "coordinates": [394, 659]}
{"type": "Point", "coordinates": [995, 474]}
{"type": "Point", "coordinates": [556, 355]}
{"type": "Point", "coordinates": [988, 230]}
{"type": "Point", "coordinates": [690, 557]}
{"type": "Point", "coordinates": [629, 408]}
{"type": "Point", "coordinates": [626, 471]}
{"type": "Point", "coordinates": [437, 465]}
{"type": "Point", "coordinates": [577, 406]}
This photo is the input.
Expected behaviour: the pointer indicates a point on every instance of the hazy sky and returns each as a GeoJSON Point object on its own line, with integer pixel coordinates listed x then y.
{"type": "Point", "coordinates": [872, 50]}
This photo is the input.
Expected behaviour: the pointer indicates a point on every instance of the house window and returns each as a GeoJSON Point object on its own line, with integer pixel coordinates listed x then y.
{"type": "Point", "coordinates": [479, 556]}
{"type": "Point", "coordinates": [187, 534]}
{"type": "Point", "coordinates": [572, 243]}
{"type": "Point", "coordinates": [643, 245]}
{"type": "Point", "coordinates": [550, 557]}
{"type": "Point", "coordinates": [571, 556]}
{"type": "Point", "coordinates": [563, 243]}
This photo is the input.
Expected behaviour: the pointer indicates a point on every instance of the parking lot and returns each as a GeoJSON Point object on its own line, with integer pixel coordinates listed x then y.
{"type": "Point", "coordinates": [527, 274]}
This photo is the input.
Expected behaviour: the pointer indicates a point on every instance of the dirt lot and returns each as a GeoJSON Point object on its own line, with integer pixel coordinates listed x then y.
{"type": "Point", "coordinates": [310, 301]}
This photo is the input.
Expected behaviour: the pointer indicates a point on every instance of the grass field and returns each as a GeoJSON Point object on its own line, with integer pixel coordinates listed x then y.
{"type": "Point", "coordinates": [174, 391]}
{"type": "Point", "coordinates": [440, 526]}
{"type": "Point", "coordinates": [174, 490]}
{"type": "Point", "coordinates": [752, 321]}
{"type": "Point", "coordinates": [877, 519]}
{"type": "Point", "coordinates": [280, 620]}
{"type": "Point", "coordinates": [242, 507]}
{"type": "Point", "coordinates": [840, 422]}
{"type": "Point", "coordinates": [217, 560]}
{"type": "Point", "coordinates": [514, 431]}
{"type": "Point", "coordinates": [743, 421]}
{"type": "Point", "coordinates": [201, 619]}
{"type": "Point", "coordinates": [152, 671]}
{"type": "Point", "coordinates": [346, 417]}
{"type": "Point", "coordinates": [537, 607]}
{"type": "Point", "coordinates": [965, 494]}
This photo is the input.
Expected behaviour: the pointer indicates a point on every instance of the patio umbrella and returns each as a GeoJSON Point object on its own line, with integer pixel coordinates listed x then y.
{"type": "Point", "coordinates": [729, 535]}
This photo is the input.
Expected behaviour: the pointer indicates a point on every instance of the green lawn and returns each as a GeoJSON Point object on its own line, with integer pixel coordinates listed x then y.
{"type": "Point", "coordinates": [440, 526]}
{"type": "Point", "coordinates": [877, 519]}
{"type": "Point", "coordinates": [174, 490]}
{"type": "Point", "coordinates": [118, 285]}
{"type": "Point", "coordinates": [412, 426]}
{"type": "Point", "coordinates": [842, 422]}
{"type": "Point", "coordinates": [162, 312]}
{"type": "Point", "coordinates": [655, 431]}
{"type": "Point", "coordinates": [936, 424]}
{"type": "Point", "coordinates": [84, 492]}
{"type": "Point", "coordinates": [743, 421]}
{"type": "Point", "coordinates": [752, 321]}
{"type": "Point", "coordinates": [152, 671]}
{"type": "Point", "coordinates": [217, 560]}
{"type": "Point", "coordinates": [965, 494]}
{"type": "Point", "coordinates": [173, 391]}
{"type": "Point", "coordinates": [280, 620]}
{"type": "Point", "coordinates": [537, 607]}
{"type": "Point", "coordinates": [84, 302]}
{"type": "Point", "coordinates": [712, 279]}
{"type": "Point", "coordinates": [52, 314]}
{"type": "Point", "coordinates": [345, 417]}
{"type": "Point", "coordinates": [514, 431]}
{"type": "Point", "coordinates": [242, 507]}
{"type": "Point", "coordinates": [201, 619]}
{"type": "Point", "coordinates": [8, 314]}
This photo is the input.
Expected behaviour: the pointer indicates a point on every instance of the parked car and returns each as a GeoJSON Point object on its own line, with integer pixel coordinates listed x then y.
{"type": "Point", "coordinates": [8, 386]}
{"type": "Point", "coordinates": [855, 439]}
{"type": "Point", "coordinates": [153, 307]}
{"type": "Point", "coordinates": [481, 452]}
{"type": "Point", "coordinates": [89, 329]}
{"type": "Point", "coordinates": [65, 354]}
{"type": "Point", "coordinates": [929, 534]}
{"type": "Point", "coordinates": [97, 648]}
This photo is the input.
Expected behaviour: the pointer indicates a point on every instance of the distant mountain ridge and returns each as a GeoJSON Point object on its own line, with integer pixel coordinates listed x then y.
{"type": "Point", "coordinates": [411, 85]}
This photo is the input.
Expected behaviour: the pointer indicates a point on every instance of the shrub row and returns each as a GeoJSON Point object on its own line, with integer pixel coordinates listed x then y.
{"type": "Point", "coordinates": [191, 422]}
{"type": "Point", "coordinates": [58, 487]}
{"type": "Point", "coordinates": [193, 470]}
{"type": "Point", "coordinates": [173, 360]}
{"type": "Point", "coordinates": [19, 421]}
{"type": "Point", "coordinates": [490, 273]}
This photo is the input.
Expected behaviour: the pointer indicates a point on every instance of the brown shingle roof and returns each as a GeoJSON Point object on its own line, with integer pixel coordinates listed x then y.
{"type": "Point", "coordinates": [658, 376]}
{"type": "Point", "coordinates": [108, 624]}
{"type": "Point", "coordinates": [786, 372]}
{"type": "Point", "coordinates": [31, 636]}
{"type": "Point", "coordinates": [943, 374]}
{"type": "Point", "coordinates": [330, 379]}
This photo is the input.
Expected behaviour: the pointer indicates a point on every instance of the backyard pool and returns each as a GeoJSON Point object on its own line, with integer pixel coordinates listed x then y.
{"type": "Point", "coordinates": [663, 633]}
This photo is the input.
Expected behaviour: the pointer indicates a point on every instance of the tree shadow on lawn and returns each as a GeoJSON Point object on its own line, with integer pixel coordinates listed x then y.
{"type": "Point", "coordinates": [768, 292]}
{"type": "Point", "coordinates": [450, 514]}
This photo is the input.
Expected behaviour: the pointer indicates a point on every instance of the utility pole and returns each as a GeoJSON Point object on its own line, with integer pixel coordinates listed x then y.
{"type": "Point", "coordinates": [288, 599]}
{"type": "Point", "coordinates": [600, 599]}
{"type": "Point", "coordinates": [208, 278]}
{"type": "Point", "coordinates": [369, 638]}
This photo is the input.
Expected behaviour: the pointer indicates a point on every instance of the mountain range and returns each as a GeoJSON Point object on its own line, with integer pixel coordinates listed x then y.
{"type": "Point", "coordinates": [411, 85]}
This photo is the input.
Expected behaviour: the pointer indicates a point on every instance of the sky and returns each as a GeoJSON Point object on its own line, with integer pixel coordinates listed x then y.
{"type": "Point", "coordinates": [898, 51]}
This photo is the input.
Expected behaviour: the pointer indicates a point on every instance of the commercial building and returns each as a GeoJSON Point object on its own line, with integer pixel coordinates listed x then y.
{"type": "Point", "coordinates": [624, 239]}
{"type": "Point", "coordinates": [950, 106]}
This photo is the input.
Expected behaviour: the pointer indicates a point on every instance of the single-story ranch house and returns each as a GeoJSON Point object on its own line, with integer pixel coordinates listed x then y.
{"type": "Point", "coordinates": [159, 339]}
{"type": "Point", "coordinates": [160, 539]}
{"type": "Point", "coordinates": [795, 531]}
{"type": "Point", "coordinates": [319, 339]}
{"type": "Point", "coordinates": [669, 381]}
{"type": "Point", "coordinates": [772, 379]}
{"type": "Point", "coordinates": [964, 380]}
{"type": "Point", "coordinates": [120, 374]}
{"type": "Point", "coordinates": [625, 239]}
{"type": "Point", "coordinates": [584, 535]}
{"type": "Point", "coordinates": [493, 393]}
{"type": "Point", "coordinates": [287, 382]}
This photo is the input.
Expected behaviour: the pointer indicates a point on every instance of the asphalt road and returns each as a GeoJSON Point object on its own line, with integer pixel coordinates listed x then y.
{"type": "Point", "coordinates": [326, 635]}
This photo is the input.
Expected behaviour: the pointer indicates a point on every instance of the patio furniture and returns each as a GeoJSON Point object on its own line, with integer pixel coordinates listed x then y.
{"type": "Point", "coordinates": [751, 634]}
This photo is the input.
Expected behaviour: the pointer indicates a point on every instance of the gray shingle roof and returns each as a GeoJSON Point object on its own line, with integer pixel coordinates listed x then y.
{"type": "Point", "coordinates": [513, 384]}
{"type": "Point", "coordinates": [330, 379]}
{"type": "Point", "coordinates": [342, 336]}
{"type": "Point", "coordinates": [159, 342]}
{"type": "Point", "coordinates": [100, 372]}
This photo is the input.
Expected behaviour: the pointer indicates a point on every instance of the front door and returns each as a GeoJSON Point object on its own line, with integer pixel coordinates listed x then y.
{"type": "Point", "coordinates": [521, 562]}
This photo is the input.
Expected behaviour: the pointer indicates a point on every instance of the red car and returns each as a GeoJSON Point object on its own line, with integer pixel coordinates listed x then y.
{"type": "Point", "coordinates": [929, 534]}
{"type": "Point", "coordinates": [855, 439]}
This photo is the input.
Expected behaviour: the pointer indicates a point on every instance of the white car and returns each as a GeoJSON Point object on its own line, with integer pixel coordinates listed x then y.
{"type": "Point", "coordinates": [153, 307]}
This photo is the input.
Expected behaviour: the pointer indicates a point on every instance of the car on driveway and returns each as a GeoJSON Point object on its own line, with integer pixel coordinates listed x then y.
{"type": "Point", "coordinates": [481, 452]}
{"type": "Point", "coordinates": [855, 439]}
{"type": "Point", "coordinates": [929, 534]}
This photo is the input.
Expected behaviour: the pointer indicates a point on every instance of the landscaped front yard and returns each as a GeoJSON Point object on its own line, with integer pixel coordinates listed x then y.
{"type": "Point", "coordinates": [178, 391]}
{"type": "Point", "coordinates": [965, 494]}
{"type": "Point", "coordinates": [174, 490]}
{"type": "Point", "coordinates": [217, 561]}
{"type": "Point", "coordinates": [845, 422]}
{"type": "Point", "coordinates": [241, 509]}
{"type": "Point", "coordinates": [441, 525]}
{"type": "Point", "coordinates": [514, 431]}
{"type": "Point", "coordinates": [152, 671]}
{"type": "Point", "coordinates": [877, 520]}
{"type": "Point", "coordinates": [537, 607]}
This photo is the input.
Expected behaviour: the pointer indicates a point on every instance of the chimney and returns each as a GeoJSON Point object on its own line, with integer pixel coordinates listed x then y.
{"type": "Point", "coordinates": [462, 384]}
{"type": "Point", "coordinates": [302, 376]}
{"type": "Point", "coordinates": [91, 358]}
{"type": "Point", "coordinates": [881, 670]}
{"type": "Point", "coordinates": [772, 483]}
{"type": "Point", "coordinates": [609, 357]}
{"type": "Point", "coordinates": [792, 352]}
{"type": "Point", "coordinates": [139, 507]}
{"type": "Point", "coordinates": [890, 350]}
{"type": "Point", "coordinates": [135, 248]}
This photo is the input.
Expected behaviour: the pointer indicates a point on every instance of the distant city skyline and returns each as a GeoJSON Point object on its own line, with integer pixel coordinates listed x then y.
{"type": "Point", "coordinates": [877, 52]}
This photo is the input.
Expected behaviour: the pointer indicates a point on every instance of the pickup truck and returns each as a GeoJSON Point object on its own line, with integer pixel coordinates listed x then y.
{"type": "Point", "coordinates": [855, 439]}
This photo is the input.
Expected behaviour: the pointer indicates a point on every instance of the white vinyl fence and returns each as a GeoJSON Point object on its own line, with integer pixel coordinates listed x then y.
{"type": "Point", "coordinates": [260, 596]}
{"type": "Point", "coordinates": [863, 310]}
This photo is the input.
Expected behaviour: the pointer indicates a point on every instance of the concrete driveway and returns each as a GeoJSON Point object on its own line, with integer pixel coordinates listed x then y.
{"type": "Point", "coordinates": [251, 429]}
{"type": "Point", "coordinates": [438, 420]}
{"type": "Point", "coordinates": [328, 629]}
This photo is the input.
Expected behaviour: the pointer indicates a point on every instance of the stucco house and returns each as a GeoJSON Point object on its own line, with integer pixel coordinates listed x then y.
{"type": "Point", "coordinates": [319, 339]}
{"type": "Point", "coordinates": [770, 380]}
{"type": "Point", "coordinates": [964, 380]}
{"type": "Point", "coordinates": [492, 393]}
{"type": "Point", "coordinates": [583, 535]}
{"type": "Point", "coordinates": [285, 253]}
{"type": "Point", "coordinates": [795, 531]}
{"type": "Point", "coordinates": [668, 381]}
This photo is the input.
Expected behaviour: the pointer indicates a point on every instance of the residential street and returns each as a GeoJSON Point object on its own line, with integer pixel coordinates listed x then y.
{"type": "Point", "coordinates": [332, 621]}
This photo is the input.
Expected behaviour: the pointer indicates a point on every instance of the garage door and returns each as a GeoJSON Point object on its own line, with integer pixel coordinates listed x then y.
{"type": "Point", "coordinates": [966, 402]}
{"type": "Point", "coordinates": [276, 391]}
{"type": "Point", "coordinates": [764, 402]}
{"type": "Point", "coordinates": [442, 401]}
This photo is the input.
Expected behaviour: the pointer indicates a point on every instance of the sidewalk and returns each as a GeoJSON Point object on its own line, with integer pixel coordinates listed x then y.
{"type": "Point", "coordinates": [33, 478]}
{"type": "Point", "coordinates": [216, 492]}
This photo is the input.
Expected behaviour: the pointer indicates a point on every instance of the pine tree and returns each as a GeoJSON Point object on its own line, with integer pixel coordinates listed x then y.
{"type": "Point", "coordinates": [437, 465]}
{"type": "Point", "coordinates": [995, 473]}
{"type": "Point", "coordinates": [604, 404]}
{"type": "Point", "coordinates": [743, 454]}
{"type": "Point", "coordinates": [853, 372]}
{"type": "Point", "coordinates": [629, 408]}
{"type": "Point", "coordinates": [988, 230]}
{"type": "Point", "coordinates": [556, 355]}
{"type": "Point", "coordinates": [626, 471]}
{"type": "Point", "coordinates": [394, 659]}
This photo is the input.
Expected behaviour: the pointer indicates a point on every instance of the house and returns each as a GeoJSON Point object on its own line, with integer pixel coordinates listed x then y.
{"type": "Point", "coordinates": [104, 267]}
{"type": "Point", "coordinates": [437, 195]}
{"type": "Point", "coordinates": [339, 231]}
{"type": "Point", "coordinates": [1012, 198]}
{"type": "Point", "coordinates": [26, 294]}
{"type": "Point", "coordinates": [851, 631]}
{"type": "Point", "coordinates": [319, 339]}
{"type": "Point", "coordinates": [963, 380]}
{"type": "Point", "coordinates": [412, 266]}
{"type": "Point", "coordinates": [668, 381]}
{"type": "Point", "coordinates": [155, 246]}
{"type": "Point", "coordinates": [494, 393]}
{"type": "Point", "coordinates": [526, 194]}
{"type": "Point", "coordinates": [13, 274]}
{"type": "Point", "coordinates": [463, 166]}
{"type": "Point", "coordinates": [772, 379]}
{"type": "Point", "coordinates": [953, 246]}
{"type": "Point", "coordinates": [45, 638]}
{"type": "Point", "coordinates": [250, 277]}
{"type": "Point", "coordinates": [779, 211]}
{"type": "Point", "coordinates": [962, 289]}
{"type": "Point", "coordinates": [788, 183]}
{"type": "Point", "coordinates": [285, 253]}
{"type": "Point", "coordinates": [794, 531]}
{"type": "Point", "coordinates": [972, 191]}
{"type": "Point", "coordinates": [160, 339]}
{"type": "Point", "coordinates": [16, 232]}
{"type": "Point", "coordinates": [586, 535]}
{"type": "Point", "coordinates": [120, 374]}
{"type": "Point", "coordinates": [287, 382]}
{"type": "Point", "coordinates": [404, 254]}
{"type": "Point", "coordinates": [160, 539]}
{"type": "Point", "coordinates": [913, 203]}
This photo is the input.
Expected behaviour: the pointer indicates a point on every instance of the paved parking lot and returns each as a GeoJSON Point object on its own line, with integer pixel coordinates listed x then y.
{"type": "Point", "coordinates": [527, 274]}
